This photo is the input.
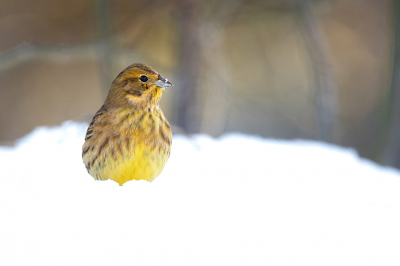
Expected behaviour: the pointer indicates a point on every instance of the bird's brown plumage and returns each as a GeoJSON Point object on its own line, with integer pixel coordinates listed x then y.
{"type": "Point", "coordinates": [129, 136]}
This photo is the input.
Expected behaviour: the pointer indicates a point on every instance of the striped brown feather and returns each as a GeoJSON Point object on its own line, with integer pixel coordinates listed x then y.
{"type": "Point", "coordinates": [99, 113]}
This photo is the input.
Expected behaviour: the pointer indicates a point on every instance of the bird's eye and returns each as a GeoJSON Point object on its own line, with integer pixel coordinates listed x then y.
{"type": "Point", "coordinates": [143, 78]}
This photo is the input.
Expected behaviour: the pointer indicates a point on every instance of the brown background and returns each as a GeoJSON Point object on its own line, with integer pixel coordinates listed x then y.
{"type": "Point", "coordinates": [282, 69]}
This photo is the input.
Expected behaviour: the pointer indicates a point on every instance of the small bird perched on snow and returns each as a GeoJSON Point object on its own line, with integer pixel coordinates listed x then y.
{"type": "Point", "coordinates": [129, 137]}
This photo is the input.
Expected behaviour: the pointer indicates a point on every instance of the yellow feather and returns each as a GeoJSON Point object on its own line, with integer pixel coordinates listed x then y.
{"type": "Point", "coordinates": [143, 165]}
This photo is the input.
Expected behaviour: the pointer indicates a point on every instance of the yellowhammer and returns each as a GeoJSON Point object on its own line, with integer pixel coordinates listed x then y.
{"type": "Point", "coordinates": [129, 136]}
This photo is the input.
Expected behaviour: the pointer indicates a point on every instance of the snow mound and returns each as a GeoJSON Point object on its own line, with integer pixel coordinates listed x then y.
{"type": "Point", "coordinates": [236, 200]}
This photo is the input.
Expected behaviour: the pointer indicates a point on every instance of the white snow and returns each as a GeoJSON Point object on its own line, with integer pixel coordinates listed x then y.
{"type": "Point", "coordinates": [236, 200]}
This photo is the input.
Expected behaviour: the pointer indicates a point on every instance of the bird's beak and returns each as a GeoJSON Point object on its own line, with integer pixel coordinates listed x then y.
{"type": "Point", "coordinates": [162, 82]}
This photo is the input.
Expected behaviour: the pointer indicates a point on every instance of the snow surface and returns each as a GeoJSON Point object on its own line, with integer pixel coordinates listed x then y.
{"type": "Point", "coordinates": [236, 200]}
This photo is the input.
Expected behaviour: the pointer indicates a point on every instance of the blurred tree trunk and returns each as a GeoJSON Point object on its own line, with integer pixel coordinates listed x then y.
{"type": "Point", "coordinates": [104, 29]}
{"type": "Point", "coordinates": [201, 38]}
{"type": "Point", "coordinates": [217, 80]}
{"type": "Point", "coordinates": [189, 55]}
{"type": "Point", "coordinates": [217, 75]}
{"type": "Point", "coordinates": [391, 152]}
{"type": "Point", "coordinates": [325, 85]}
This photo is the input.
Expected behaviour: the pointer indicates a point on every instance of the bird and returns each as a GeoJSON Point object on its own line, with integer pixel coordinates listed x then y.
{"type": "Point", "coordinates": [129, 138]}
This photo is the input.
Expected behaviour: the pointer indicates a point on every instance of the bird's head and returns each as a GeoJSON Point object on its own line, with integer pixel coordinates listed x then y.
{"type": "Point", "coordinates": [138, 84]}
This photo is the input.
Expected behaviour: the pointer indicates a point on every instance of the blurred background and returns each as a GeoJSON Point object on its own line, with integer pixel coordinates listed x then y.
{"type": "Point", "coordinates": [327, 70]}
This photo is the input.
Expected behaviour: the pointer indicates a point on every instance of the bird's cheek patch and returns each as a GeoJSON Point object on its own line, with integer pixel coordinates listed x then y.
{"type": "Point", "coordinates": [134, 92]}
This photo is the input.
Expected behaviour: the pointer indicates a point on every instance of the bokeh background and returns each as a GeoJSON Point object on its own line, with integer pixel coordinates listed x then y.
{"type": "Point", "coordinates": [327, 70]}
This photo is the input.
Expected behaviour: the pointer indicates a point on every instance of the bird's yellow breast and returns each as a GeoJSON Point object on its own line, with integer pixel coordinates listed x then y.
{"type": "Point", "coordinates": [141, 164]}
